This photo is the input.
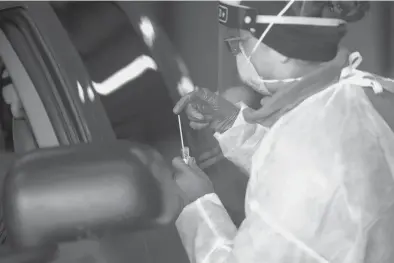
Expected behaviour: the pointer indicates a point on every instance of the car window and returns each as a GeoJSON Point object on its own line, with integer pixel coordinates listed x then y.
{"type": "Point", "coordinates": [31, 126]}
{"type": "Point", "coordinates": [122, 70]}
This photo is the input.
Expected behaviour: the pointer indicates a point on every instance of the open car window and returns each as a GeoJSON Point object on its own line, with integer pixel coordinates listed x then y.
{"type": "Point", "coordinates": [30, 122]}
{"type": "Point", "coordinates": [25, 124]}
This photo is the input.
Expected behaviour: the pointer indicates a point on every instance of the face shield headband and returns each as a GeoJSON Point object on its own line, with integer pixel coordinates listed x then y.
{"type": "Point", "coordinates": [305, 38]}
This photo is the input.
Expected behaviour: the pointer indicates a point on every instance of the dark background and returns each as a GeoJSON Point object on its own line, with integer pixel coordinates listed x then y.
{"type": "Point", "coordinates": [194, 29]}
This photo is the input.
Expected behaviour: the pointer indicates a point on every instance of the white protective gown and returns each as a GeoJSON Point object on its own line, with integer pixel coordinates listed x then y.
{"type": "Point", "coordinates": [321, 185]}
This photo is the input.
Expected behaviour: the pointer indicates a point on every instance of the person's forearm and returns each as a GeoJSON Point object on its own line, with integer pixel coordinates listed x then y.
{"type": "Point", "coordinates": [239, 143]}
{"type": "Point", "coordinates": [206, 230]}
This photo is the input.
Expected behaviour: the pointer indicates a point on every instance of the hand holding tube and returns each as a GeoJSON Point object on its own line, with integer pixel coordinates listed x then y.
{"type": "Point", "coordinates": [191, 180]}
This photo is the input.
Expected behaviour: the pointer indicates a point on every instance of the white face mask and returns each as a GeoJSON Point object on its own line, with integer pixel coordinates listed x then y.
{"type": "Point", "coordinates": [246, 69]}
{"type": "Point", "coordinates": [249, 75]}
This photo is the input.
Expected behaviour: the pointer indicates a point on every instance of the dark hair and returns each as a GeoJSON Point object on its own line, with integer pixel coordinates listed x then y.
{"type": "Point", "coordinates": [350, 11]}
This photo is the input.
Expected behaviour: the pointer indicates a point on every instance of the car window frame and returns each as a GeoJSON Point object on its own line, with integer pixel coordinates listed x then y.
{"type": "Point", "coordinates": [36, 114]}
{"type": "Point", "coordinates": [59, 71]}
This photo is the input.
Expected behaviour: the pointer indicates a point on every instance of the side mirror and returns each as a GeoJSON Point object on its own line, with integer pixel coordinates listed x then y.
{"type": "Point", "coordinates": [28, 255]}
{"type": "Point", "coordinates": [82, 191]}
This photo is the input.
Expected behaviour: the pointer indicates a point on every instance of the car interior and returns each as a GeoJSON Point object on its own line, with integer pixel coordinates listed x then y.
{"type": "Point", "coordinates": [16, 131]}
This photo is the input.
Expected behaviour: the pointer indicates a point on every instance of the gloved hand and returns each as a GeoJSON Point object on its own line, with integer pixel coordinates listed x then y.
{"type": "Point", "coordinates": [191, 180]}
{"type": "Point", "coordinates": [172, 197]}
{"type": "Point", "coordinates": [207, 109]}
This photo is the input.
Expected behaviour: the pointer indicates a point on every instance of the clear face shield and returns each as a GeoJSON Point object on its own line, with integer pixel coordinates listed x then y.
{"type": "Point", "coordinates": [235, 66]}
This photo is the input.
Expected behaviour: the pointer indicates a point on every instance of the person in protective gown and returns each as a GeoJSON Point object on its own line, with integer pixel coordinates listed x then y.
{"type": "Point", "coordinates": [319, 152]}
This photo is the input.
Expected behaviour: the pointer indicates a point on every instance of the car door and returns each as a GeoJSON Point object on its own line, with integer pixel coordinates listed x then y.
{"type": "Point", "coordinates": [56, 72]}
{"type": "Point", "coordinates": [53, 87]}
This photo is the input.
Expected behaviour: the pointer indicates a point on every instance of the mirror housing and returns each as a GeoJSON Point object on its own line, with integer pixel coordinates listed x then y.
{"type": "Point", "coordinates": [81, 191]}
{"type": "Point", "coordinates": [28, 255]}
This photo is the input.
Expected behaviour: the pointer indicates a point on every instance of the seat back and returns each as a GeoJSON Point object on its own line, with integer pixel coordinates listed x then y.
{"type": "Point", "coordinates": [22, 135]}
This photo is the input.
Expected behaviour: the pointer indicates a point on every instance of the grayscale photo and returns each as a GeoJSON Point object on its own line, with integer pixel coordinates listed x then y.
{"type": "Point", "coordinates": [197, 131]}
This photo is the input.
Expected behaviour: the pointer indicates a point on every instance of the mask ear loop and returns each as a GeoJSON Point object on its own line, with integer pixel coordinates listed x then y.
{"type": "Point", "coordinates": [281, 13]}
{"type": "Point", "coordinates": [284, 10]}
